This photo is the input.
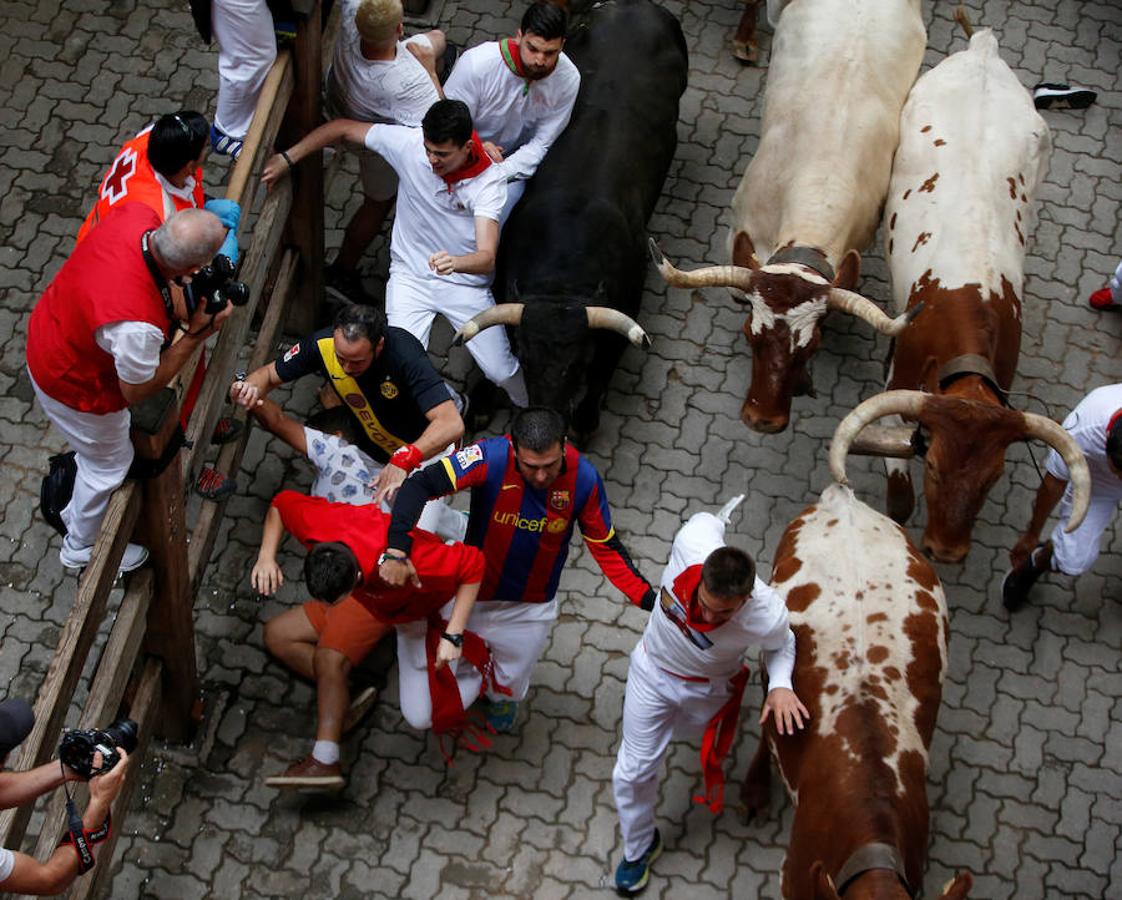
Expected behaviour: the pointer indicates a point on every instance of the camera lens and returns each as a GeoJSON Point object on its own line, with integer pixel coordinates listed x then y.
{"type": "Point", "coordinates": [124, 734]}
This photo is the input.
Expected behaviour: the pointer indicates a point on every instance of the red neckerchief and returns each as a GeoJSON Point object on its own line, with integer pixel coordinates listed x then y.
{"type": "Point", "coordinates": [478, 163]}
{"type": "Point", "coordinates": [685, 589]}
{"type": "Point", "coordinates": [512, 57]}
{"type": "Point", "coordinates": [1110, 424]}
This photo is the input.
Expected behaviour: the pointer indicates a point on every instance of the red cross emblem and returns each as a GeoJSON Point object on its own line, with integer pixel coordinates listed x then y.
{"type": "Point", "coordinates": [114, 187]}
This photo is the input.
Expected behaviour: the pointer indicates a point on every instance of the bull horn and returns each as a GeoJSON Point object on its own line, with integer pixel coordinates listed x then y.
{"type": "Point", "coordinates": [710, 276]}
{"type": "Point", "coordinates": [614, 320]}
{"type": "Point", "coordinates": [499, 314]}
{"type": "Point", "coordinates": [864, 308]}
{"type": "Point", "coordinates": [1063, 443]}
{"type": "Point", "coordinates": [903, 403]}
{"type": "Point", "coordinates": [880, 440]}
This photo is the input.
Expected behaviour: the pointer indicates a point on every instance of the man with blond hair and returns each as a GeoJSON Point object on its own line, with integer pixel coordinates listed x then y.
{"type": "Point", "coordinates": [376, 76]}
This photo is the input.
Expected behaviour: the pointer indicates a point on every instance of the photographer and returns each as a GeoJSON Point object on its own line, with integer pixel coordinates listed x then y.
{"type": "Point", "coordinates": [22, 874]}
{"type": "Point", "coordinates": [103, 336]}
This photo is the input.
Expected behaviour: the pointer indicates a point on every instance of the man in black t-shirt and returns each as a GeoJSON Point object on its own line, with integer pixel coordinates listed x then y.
{"type": "Point", "coordinates": [384, 377]}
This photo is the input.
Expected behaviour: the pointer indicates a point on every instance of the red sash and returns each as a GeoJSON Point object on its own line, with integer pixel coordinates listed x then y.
{"type": "Point", "coordinates": [717, 742]}
{"type": "Point", "coordinates": [447, 706]}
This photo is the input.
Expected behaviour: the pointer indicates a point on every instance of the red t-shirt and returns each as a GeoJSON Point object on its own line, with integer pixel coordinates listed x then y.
{"type": "Point", "coordinates": [441, 567]}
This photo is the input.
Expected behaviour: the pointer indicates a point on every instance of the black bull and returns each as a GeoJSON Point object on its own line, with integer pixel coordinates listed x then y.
{"type": "Point", "coordinates": [578, 235]}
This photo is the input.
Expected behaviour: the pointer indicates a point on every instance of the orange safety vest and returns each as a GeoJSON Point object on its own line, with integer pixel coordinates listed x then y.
{"type": "Point", "coordinates": [131, 177]}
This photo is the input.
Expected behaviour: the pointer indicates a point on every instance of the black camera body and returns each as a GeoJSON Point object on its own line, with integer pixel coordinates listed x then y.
{"type": "Point", "coordinates": [78, 747]}
{"type": "Point", "coordinates": [213, 285]}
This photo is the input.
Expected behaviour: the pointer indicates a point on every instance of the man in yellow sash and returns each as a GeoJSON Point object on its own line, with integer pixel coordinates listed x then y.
{"type": "Point", "coordinates": [384, 377]}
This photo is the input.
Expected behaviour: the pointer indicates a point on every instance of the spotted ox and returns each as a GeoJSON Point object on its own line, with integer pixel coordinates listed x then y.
{"type": "Point", "coordinates": [972, 152]}
{"type": "Point", "coordinates": [811, 198]}
{"type": "Point", "coordinates": [870, 625]}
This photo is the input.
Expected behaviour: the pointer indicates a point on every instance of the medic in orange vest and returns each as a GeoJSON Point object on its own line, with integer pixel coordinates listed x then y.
{"type": "Point", "coordinates": [162, 168]}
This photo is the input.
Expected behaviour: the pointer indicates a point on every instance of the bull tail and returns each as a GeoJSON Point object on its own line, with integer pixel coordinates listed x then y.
{"type": "Point", "coordinates": [963, 19]}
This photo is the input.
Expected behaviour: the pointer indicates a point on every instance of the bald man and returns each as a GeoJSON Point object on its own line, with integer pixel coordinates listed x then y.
{"type": "Point", "coordinates": [101, 339]}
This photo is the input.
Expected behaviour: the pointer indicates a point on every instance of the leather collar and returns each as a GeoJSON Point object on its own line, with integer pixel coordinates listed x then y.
{"type": "Point", "coordinates": [971, 364]}
{"type": "Point", "coordinates": [805, 256]}
{"type": "Point", "coordinates": [874, 855]}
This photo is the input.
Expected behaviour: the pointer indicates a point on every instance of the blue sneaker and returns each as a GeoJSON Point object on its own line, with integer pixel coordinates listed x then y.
{"type": "Point", "coordinates": [632, 877]}
{"type": "Point", "coordinates": [223, 144]}
{"type": "Point", "coordinates": [501, 715]}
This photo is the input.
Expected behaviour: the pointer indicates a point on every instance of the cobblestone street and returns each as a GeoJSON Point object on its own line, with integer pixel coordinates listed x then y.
{"type": "Point", "coordinates": [1025, 777]}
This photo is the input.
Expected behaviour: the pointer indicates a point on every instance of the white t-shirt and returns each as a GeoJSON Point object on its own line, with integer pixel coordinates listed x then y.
{"type": "Point", "coordinates": [135, 348]}
{"type": "Point", "coordinates": [1087, 424]}
{"type": "Point", "coordinates": [523, 122]}
{"type": "Point", "coordinates": [344, 474]}
{"type": "Point", "coordinates": [432, 215]}
{"type": "Point", "coordinates": [7, 863]}
{"type": "Point", "coordinates": [397, 90]}
{"type": "Point", "coordinates": [675, 646]}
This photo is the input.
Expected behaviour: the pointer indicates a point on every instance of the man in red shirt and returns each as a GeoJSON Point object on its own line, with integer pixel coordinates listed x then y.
{"type": "Point", "coordinates": [100, 339]}
{"type": "Point", "coordinates": [161, 167]}
{"type": "Point", "coordinates": [352, 609]}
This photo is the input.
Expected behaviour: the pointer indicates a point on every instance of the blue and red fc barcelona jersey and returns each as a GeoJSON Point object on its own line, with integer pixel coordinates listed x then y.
{"type": "Point", "coordinates": [524, 532]}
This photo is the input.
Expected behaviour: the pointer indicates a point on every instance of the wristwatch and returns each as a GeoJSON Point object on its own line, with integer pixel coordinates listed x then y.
{"type": "Point", "coordinates": [385, 557]}
{"type": "Point", "coordinates": [456, 640]}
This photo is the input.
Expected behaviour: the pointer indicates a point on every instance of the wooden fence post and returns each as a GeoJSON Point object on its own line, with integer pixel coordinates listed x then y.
{"type": "Point", "coordinates": [171, 627]}
{"type": "Point", "coordinates": [305, 231]}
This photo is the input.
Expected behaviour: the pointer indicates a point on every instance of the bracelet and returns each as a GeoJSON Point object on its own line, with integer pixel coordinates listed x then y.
{"type": "Point", "coordinates": [288, 159]}
{"type": "Point", "coordinates": [407, 457]}
{"type": "Point", "coordinates": [385, 558]}
{"type": "Point", "coordinates": [456, 640]}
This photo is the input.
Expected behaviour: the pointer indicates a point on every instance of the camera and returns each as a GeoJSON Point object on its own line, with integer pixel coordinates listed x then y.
{"type": "Point", "coordinates": [78, 747]}
{"type": "Point", "coordinates": [213, 285]}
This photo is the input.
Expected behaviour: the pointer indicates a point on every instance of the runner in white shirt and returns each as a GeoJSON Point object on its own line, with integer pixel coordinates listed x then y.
{"type": "Point", "coordinates": [446, 231]}
{"type": "Point", "coordinates": [375, 76]}
{"type": "Point", "coordinates": [686, 677]}
{"type": "Point", "coordinates": [521, 92]}
{"type": "Point", "coordinates": [1096, 425]}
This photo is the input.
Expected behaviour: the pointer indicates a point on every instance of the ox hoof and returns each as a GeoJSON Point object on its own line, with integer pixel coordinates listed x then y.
{"type": "Point", "coordinates": [755, 800]}
{"type": "Point", "coordinates": [747, 53]}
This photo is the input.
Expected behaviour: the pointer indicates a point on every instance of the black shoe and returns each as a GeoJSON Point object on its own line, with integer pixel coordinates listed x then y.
{"type": "Point", "coordinates": [1018, 582]}
{"type": "Point", "coordinates": [1062, 96]}
{"type": "Point", "coordinates": [344, 286]}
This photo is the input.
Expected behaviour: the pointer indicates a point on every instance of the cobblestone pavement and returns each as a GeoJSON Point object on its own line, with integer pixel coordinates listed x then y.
{"type": "Point", "coordinates": [1026, 772]}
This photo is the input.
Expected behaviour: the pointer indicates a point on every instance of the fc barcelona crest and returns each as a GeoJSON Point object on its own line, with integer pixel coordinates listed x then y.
{"type": "Point", "coordinates": [389, 389]}
{"type": "Point", "coordinates": [559, 500]}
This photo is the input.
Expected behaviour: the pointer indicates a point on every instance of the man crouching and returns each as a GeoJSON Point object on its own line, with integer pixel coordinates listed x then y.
{"type": "Point", "coordinates": [353, 609]}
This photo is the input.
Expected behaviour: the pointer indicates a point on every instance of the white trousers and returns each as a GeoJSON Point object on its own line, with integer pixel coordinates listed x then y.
{"type": "Point", "coordinates": [1075, 553]}
{"type": "Point", "coordinates": [247, 48]}
{"type": "Point", "coordinates": [413, 303]}
{"type": "Point", "coordinates": [657, 707]}
{"type": "Point", "coordinates": [516, 633]}
{"type": "Point", "coordinates": [103, 452]}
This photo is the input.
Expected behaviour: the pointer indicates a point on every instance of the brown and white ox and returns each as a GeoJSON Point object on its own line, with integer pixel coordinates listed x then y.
{"type": "Point", "coordinates": [972, 152]}
{"type": "Point", "coordinates": [811, 198]}
{"type": "Point", "coordinates": [870, 624]}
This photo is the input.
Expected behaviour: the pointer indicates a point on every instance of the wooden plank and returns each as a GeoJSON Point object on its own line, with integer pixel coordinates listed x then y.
{"type": "Point", "coordinates": [235, 331]}
{"type": "Point", "coordinates": [144, 709]}
{"type": "Point", "coordinates": [230, 457]}
{"type": "Point", "coordinates": [171, 626]}
{"type": "Point", "coordinates": [306, 226]}
{"type": "Point", "coordinates": [107, 688]}
{"type": "Point", "coordinates": [74, 644]}
{"type": "Point", "coordinates": [273, 94]}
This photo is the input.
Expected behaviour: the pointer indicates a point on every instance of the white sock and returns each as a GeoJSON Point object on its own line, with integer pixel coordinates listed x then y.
{"type": "Point", "coordinates": [326, 752]}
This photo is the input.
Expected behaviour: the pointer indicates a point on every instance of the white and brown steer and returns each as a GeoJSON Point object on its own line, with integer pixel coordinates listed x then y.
{"type": "Point", "coordinates": [870, 623]}
{"type": "Point", "coordinates": [973, 150]}
{"type": "Point", "coordinates": [811, 199]}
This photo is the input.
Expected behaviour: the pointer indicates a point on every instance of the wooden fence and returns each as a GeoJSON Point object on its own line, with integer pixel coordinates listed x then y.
{"type": "Point", "coordinates": [147, 668]}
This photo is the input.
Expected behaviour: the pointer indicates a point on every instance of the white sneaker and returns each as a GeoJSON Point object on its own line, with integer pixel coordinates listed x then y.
{"type": "Point", "coordinates": [134, 557]}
